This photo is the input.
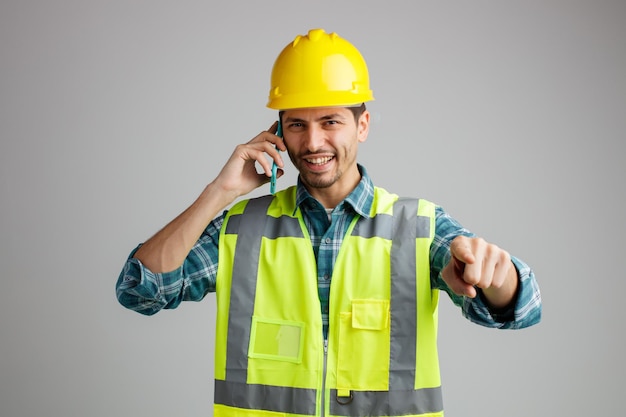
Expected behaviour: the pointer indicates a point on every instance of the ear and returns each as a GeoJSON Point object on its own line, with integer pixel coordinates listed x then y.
{"type": "Point", "coordinates": [363, 126]}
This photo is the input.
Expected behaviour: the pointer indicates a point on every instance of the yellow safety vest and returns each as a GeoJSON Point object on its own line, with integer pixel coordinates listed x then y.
{"type": "Point", "coordinates": [380, 358]}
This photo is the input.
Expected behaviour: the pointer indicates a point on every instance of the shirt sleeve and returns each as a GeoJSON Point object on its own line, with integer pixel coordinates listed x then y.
{"type": "Point", "coordinates": [146, 292]}
{"type": "Point", "coordinates": [527, 308]}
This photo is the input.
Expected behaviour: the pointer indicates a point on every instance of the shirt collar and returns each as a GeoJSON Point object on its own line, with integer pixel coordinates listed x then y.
{"type": "Point", "coordinates": [360, 199]}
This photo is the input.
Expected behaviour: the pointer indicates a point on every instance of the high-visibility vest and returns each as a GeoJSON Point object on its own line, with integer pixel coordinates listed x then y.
{"type": "Point", "coordinates": [380, 358]}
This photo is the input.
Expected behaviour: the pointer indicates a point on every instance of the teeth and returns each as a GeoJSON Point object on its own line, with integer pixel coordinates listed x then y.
{"type": "Point", "coordinates": [319, 160]}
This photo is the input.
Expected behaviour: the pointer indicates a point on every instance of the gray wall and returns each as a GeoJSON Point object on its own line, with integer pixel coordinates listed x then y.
{"type": "Point", "coordinates": [115, 114]}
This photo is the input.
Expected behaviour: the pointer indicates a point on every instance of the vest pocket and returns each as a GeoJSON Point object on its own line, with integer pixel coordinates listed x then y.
{"type": "Point", "coordinates": [363, 349]}
{"type": "Point", "coordinates": [279, 340]}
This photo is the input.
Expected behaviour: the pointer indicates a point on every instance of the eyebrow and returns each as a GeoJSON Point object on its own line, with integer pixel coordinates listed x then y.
{"type": "Point", "coordinates": [325, 117]}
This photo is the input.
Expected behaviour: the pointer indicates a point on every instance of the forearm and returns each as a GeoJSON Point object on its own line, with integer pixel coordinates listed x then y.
{"type": "Point", "coordinates": [168, 248]}
{"type": "Point", "coordinates": [146, 292]}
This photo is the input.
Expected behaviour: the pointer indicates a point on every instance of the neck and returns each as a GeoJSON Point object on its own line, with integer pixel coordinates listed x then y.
{"type": "Point", "coordinates": [331, 196]}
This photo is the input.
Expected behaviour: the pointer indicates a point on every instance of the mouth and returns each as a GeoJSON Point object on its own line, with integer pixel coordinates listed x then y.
{"type": "Point", "coordinates": [319, 161]}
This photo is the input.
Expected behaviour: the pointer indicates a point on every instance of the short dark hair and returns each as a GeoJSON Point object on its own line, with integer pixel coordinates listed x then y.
{"type": "Point", "coordinates": [357, 111]}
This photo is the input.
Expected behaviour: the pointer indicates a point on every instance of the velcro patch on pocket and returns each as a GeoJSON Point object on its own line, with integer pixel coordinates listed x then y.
{"type": "Point", "coordinates": [370, 314]}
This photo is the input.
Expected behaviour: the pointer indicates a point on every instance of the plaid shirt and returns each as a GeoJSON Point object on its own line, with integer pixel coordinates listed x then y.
{"type": "Point", "coordinates": [146, 292]}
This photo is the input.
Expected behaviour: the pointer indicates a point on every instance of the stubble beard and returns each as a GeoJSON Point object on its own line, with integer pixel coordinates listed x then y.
{"type": "Point", "coordinates": [319, 181]}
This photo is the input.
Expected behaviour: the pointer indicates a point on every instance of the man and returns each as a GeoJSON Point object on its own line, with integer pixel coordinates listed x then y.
{"type": "Point", "coordinates": [327, 291]}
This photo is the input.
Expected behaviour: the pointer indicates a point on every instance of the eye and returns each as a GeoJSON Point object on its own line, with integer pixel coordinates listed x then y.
{"type": "Point", "coordinates": [295, 127]}
{"type": "Point", "coordinates": [332, 123]}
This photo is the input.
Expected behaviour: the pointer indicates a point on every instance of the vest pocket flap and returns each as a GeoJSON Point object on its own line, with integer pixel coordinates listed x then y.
{"type": "Point", "coordinates": [370, 314]}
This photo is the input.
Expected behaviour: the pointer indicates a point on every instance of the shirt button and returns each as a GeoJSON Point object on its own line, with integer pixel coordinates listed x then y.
{"type": "Point", "coordinates": [326, 277]}
{"type": "Point", "coordinates": [327, 240]}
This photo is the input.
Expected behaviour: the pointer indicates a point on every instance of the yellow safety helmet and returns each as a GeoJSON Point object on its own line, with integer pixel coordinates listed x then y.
{"type": "Point", "coordinates": [319, 70]}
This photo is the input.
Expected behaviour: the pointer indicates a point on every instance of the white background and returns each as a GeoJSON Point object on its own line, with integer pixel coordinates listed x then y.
{"type": "Point", "coordinates": [115, 114]}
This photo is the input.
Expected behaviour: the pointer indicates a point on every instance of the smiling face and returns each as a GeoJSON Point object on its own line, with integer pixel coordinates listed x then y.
{"type": "Point", "coordinates": [322, 144]}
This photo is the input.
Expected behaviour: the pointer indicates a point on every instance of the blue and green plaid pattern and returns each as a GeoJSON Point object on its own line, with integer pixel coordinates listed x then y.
{"type": "Point", "coordinates": [146, 292]}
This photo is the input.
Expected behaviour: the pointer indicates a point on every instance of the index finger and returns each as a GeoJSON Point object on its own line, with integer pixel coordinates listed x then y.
{"type": "Point", "coordinates": [461, 249]}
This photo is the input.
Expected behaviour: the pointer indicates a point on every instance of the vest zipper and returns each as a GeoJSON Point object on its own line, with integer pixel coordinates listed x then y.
{"type": "Point", "coordinates": [323, 405]}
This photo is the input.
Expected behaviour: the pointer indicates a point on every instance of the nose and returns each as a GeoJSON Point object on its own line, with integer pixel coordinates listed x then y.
{"type": "Point", "coordinates": [314, 138]}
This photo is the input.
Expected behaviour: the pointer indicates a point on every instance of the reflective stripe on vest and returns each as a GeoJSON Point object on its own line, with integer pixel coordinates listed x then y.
{"type": "Point", "coordinates": [402, 398]}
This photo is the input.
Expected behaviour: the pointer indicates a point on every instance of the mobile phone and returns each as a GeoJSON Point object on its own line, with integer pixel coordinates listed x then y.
{"type": "Point", "coordinates": [279, 132]}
